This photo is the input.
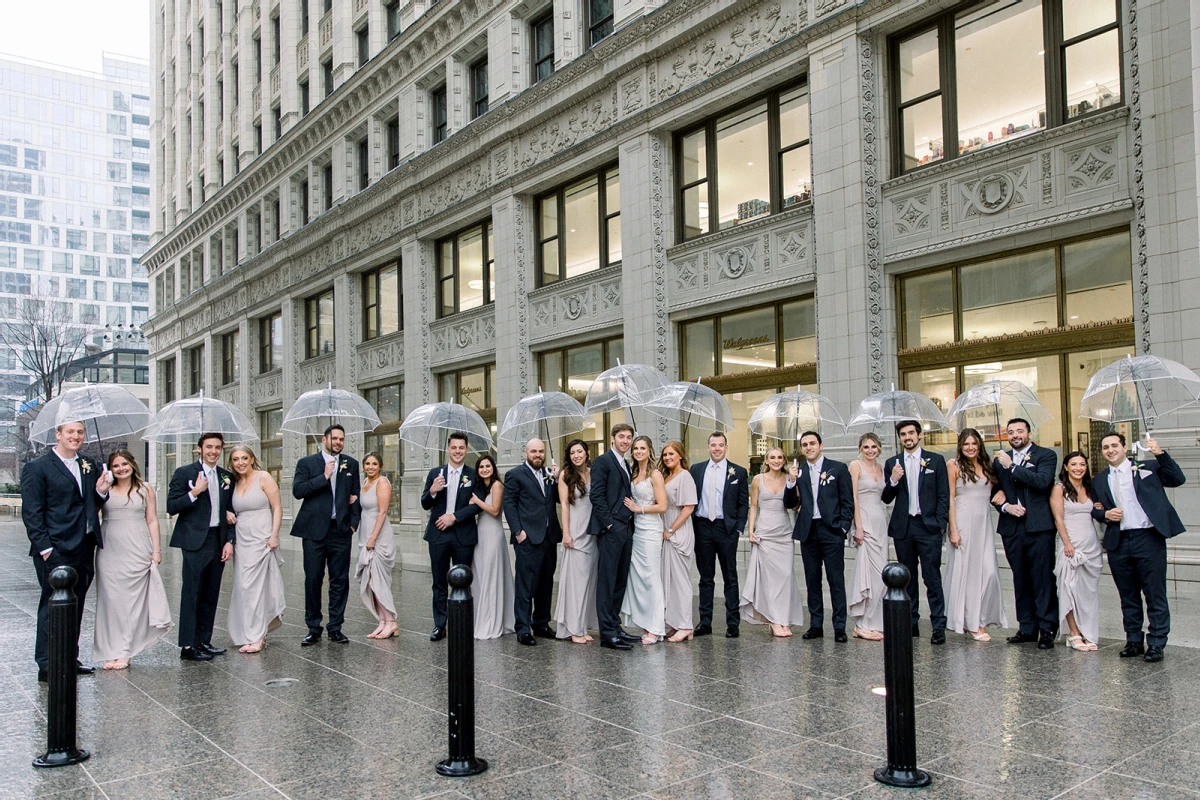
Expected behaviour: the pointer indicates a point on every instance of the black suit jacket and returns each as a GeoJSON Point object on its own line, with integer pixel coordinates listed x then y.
{"type": "Point", "coordinates": [933, 489]}
{"type": "Point", "coordinates": [1031, 484]}
{"type": "Point", "coordinates": [1161, 473]}
{"type": "Point", "coordinates": [191, 527]}
{"type": "Point", "coordinates": [464, 529]}
{"type": "Point", "coordinates": [735, 502]}
{"type": "Point", "coordinates": [318, 503]}
{"type": "Point", "coordinates": [529, 505]}
{"type": "Point", "coordinates": [610, 486]}
{"type": "Point", "coordinates": [835, 498]}
{"type": "Point", "coordinates": [55, 512]}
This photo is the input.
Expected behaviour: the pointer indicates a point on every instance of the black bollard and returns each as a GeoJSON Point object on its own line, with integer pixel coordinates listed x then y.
{"type": "Point", "coordinates": [63, 630]}
{"type": "Point", "coordinates": [460, 690]}
{"type": "Point", "coordinates": [901, 769]}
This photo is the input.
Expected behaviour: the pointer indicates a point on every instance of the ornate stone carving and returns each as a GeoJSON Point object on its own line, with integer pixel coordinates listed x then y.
{"type": "Point", "coordinates": [266, 389]}
{"type": "Point", "coordinates": [525, 378]}
{"type": "Point", "coordinates": [911, 214]}
{"type": "Point", "coordinates": [687, 276]}
{"type": "Point", "coordinates": [823, 7]}
{"type": "Point", "coordinates": [1047, 178]}
{"type": "Point", "coordinates": [1142, 263]}
{"type": "Point", "coordinates": [227, 394]}
{"type": "Point", "coordinates": [458, 337]}
{"type": "Point", "coordinates": [381, 358]}
{"type": "Point", "coordinates": [315, 373]}
{"type": "Point", "coordinates": [631, 94]}
{"type": "Point", "coordinates": [994, 192]}
{"type": "Point", "coordinates": [593, 116]}
{"type": "Point", "coordinates": [793, 246]}
{"type": "Point", "coordinates": [737, 261]}
{"type": "Point", "coordinates": [871, 200]}
{"type": "Point", "coordinates": [1091, 166]}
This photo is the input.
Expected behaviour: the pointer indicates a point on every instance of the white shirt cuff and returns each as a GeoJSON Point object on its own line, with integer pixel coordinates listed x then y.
{"type": "Point", "coordinates": [789, 484]}
{"type": "Point", "coordinates": [46, 552]}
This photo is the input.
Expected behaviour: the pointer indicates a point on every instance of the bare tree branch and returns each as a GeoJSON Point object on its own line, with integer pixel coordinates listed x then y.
{"type": "Point", "coordinates": [44, 338]}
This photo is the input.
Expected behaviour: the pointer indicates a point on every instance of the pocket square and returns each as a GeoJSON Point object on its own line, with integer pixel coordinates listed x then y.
{"type": "Point", "coordinates": [1145, 473]}
{"type": "Point", "coordinates": [928, 472]}
{"type": "Point", "coordinates": [733, 483]}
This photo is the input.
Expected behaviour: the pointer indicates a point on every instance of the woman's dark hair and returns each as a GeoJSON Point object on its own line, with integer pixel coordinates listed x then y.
{"type": "Point", "coordinates": [571, 475]}
{"type": "Point", "coordinates": [965, 468]}
{"type": "Point", "coordinates": [375, 456]}
{"type": "Point", "coordinates": [1064, 477]}
{"type": "Point", "coordinates": [135, 474]}
{"type": "Point", "coordinates": [486, 482]}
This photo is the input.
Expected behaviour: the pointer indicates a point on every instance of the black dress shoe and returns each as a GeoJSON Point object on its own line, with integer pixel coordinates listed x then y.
{"type": "Point", "coordinates": [437, 634]}
{"type": "Point", "coordinates": [616, 643]}
{"type": "Point", "coordinates": [1022, 638]}
{"type": "Point", "coordinates": [916, 631]}
{"type": "Point", "coordinates": [194, 654]}
{"type": "Point", "coordinates": [1132, 650]}
{"type": "Point", "coordinates": [839, 635]}
{"type": "Point", "coordinates": [83, 669]}
{"type": "Point", "coordinates": [311, 639]}
{"type": "Point", "coordinates": [703, 630]}
{"type": "Point", "coordinates": [629, 638]}
{"type": "Point", "coordinates": [813, 633]}
{"type": "Point", "coordinates": [731, 632]}
{"type": "Point", "coordinates": [212, 651]}
{"type": "Point", "coordinates": [938, 637]}
{"type": "Point", "coordinates": [1046, 641]}
{"type": "Point", "coordinates": [1154, 654]}
{"type": "Point", "coordinates": [526, 639]}
{"type": "Point", "coordinates": [544, 633]}
{"type": "Point", "coordinates": [339, 637]}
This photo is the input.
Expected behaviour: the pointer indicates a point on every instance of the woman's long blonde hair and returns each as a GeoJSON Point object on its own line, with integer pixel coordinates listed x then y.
{"type": "Point", "coordinates": [649, 460]}
{"type": "Point", "coordinates": [241, 448]}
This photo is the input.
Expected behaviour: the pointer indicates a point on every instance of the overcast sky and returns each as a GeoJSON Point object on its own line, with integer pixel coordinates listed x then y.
{"type": "Point", "coordinates": [73, 33]}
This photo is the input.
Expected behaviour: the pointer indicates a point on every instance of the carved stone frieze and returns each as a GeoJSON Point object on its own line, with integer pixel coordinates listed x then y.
{"type": "Point", "coordinates": [381, 359]}
{"type": "Point", "coordinates": [580, 305]}
{"type": "Point", "coordinates": [596, 114]}
{"type": "Point", "coordinates": [463, 336]}
{"type": "Point", "coordinates": [316, 373]}
{"type": "Point", "coordinates": [200, 320]}
{"type": "Point", "coordinates": [228, 394]}
{"type": "Point", "coordinates": [266, 389]}
{"type": "Point", "coordinates": [1141, 270]}
{"type": "Point", "coordinates": [994, 192]}
{"type": "Point", "coordinates": [1091, 166]}
{"type": "Point", "coordinates": [911, 213]}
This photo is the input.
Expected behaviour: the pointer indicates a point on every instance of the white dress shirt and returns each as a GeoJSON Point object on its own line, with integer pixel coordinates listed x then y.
{"type": "Point", "coordinates": [453, 475]}
{"type": "Point", "coordinates": [912, 471]}
{"type": "Point", "coordinates": [214, 496]}
{"type": "Point", "coordinates": [72, 464]}
{"type": "Point", "coordinates": [814, 476]}
{"type": "Point", "coordinates": [1133, 516]}
{"type": "Point", "coordinates": [713, 497]}
{"type": "Point", "coordinates": [332, 483]}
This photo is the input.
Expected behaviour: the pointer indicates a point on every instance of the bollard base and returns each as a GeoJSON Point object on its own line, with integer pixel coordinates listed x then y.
{"type": "Point", "coordinates": [903, 778]}
{"type": "Point", "coordinates": [461, 767]}
{"type": "Point", "coordinates": [62, 758]}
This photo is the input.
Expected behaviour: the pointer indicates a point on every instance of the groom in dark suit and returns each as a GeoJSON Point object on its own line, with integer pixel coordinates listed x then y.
{"type": "Point", "coordinates": [823, 495]}
{"type": "Point", "coordinates": [530, 495]}
{"type": "Point", "coordinates": [60, 495]}
{"type": "Point", "coordinates": [327, 483]}
{"type": "Point", "coordinates": [920, 486]}
{"type": "Point", "coordinates": [724, 492]}
{"type": "Point", "coordinates": [451, 531]}
{"type": "Point", "coordinates": [612, 524]}
{"type": "Point", "coordinates": [1025, 474]}
{"type": "Point", "coordinates": [201, 496]}
{"type": "Point", "coordinates": [1139, 519]}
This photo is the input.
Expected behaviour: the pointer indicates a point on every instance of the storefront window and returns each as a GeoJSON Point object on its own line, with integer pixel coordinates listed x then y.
{"type": "Point", "coordinates": [385, 440]}
{"type": "Point", "coordinates": [1098, 279]}
{"type": "Point", "coordinates": [474, 388]}
{"type": "Point", "coordinates": [928, 316]}
{"type": "Point", "coordinates": [271, 447]}
{"type": "Point", "coordinates": [1009, 295]}
{"type": "Point", "coordinates": [748, 341]}
{"type": "Point", "coordinates": [572, 371]}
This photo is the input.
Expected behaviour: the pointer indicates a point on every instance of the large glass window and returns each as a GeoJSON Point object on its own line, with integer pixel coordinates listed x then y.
{"type": "Point", "coordinates": [383, 302]}
{"type": "Point", "coordinates": [746, 164]}
{"type": "Point", "coordinates": [749, 341]}
{"type": "Point", "coordinates": [270, 343]}
{"type": "Point", "coordinates": [271, 447]}
{"type": "Point", "coordinates": [542, 33]}
{"type": "Point", "coordinates": [230, 357]}
{"type": "Point", "coordinates": [318, 325]}
{"type": "Point", "coordinates": [465, 270]}
{"type": "Point", "coordinates": [474, 388]}
{"type": "Point", "coordinates": [990, 72]}
{"type": "Point", "coordinates": [385, 440]}
{"type": "Point", "coordinates": [600, 19]}
{"type": "Point", "coordinates": [572, 370]}
{"type": "Point", "coordinates": [579, 227]}
{"type": "Point", "coordinates": [438, 113]}
{"type": "Point", "coordinates": [479, 88]}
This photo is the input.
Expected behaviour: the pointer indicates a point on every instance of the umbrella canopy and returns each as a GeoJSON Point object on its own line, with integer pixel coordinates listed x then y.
{"type": "Point", "coordinates": [184, 420]}
{"type": "Point", "coordinates": [1140, 389]}
{"type": "Point", "coordinates": [429, 426]}
{"type": "Point", "coordinates": [692, 404]}
{"type": "Point", "coordinates": [787, 415]}
{"type": "Point", "coordinates": [315, 411]}
{"type": "Point", "coordinates": [554, 415]}
{"type": "Point", "coordinates": [628, 386]}
{"type": "Point", "coordinates": [107, 411]}
{"type": "Point", "coordinates": [895, 406]}
{"type": "Point", "coordinates": [989, 405]}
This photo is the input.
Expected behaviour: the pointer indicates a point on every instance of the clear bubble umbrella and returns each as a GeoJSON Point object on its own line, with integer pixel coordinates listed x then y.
{"type": "Point", "coordinates": [785, 416]}
{"type": "Point", "coordinates": [989, 405]}
{"type": "Point", "coordinates": [553, 415]}
{"type": "Point", "coordinates": [628, 386]}
{"type": "Point", "coordinates": [315, 411]}
{"type": "Point", "coordinates": [107, 411]}
{"type": "Point", "coordinates": [182, 421]}
{"type": "Point", "coordinates": [897, 405]}
{"type": "Point", "coordinates": [692, 403]}
{"type": "Point", "coordinates": [1139, 389]}
{"type": "Point", "coordinates": [430, 425]}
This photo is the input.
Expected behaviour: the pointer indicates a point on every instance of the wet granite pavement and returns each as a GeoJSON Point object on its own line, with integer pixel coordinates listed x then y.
{"type": "Point", "coordinates": [752, 717]}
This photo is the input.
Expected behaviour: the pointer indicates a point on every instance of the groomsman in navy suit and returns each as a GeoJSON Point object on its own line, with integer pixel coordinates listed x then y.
{"type": "Point", "coordinates": [1139, 519]}
{"type": "Point", "coordinates": [724, 492]}
{"type": "Point", "coordinates": [822, 493]}
{"type": "Point", "coordinates": [451, 531]}
{"type": "Point", "coordinates": [530, 495]}
{"type": "Point", "coordinates": [918, 483]}
{"type": "Point", "coordinates": [1025, 474]}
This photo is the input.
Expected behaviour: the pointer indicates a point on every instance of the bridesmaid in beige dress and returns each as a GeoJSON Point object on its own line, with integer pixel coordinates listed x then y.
{"type": "Point", "coordinates": [576, 609]}
{"type": "Point", "coordinates": [678, 541]}
{"type": "Point", "coordinates": [1078, 562]}
{"type": "Point", "coordinates": [131, 603]}
{"type": "Point", "coordinates": [256, 607]}
{"type": "Point", "coordinates": [865, 597]}
{"type": "Point", "coordinates": [971, 576]}
{"type": "Point", "coordinates": [770, 593]}
{"type": "Point", "coordinates": [492, 587]}
{"type": "Point", "coordinates": [377, 552]}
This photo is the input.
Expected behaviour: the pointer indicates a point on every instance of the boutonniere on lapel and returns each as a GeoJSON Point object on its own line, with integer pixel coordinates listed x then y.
{"type": "Point", "coordinates": [465, 481]}
{"type": "Point", "coordinates": [85, 465]}
{"type": "Point", "coordinates": [924, 463]}
{"type": "Point", "coordinates": [225, 484]}
{"type": "Point", "coordinates": [345, 466]}
{"type": "Point", "coordinates": [826, 478]}
{"type": "Point", "coordinates": [731, 472]}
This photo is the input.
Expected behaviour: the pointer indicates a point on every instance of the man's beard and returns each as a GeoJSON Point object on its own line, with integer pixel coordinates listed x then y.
{"type": "Point", "coordinates": [536, 463]}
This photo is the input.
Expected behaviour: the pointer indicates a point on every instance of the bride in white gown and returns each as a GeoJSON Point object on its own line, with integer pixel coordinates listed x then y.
{"type": "Point", "coordinates": [645, 603]}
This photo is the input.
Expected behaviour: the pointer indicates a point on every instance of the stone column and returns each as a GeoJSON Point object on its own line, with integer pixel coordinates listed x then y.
{"type": "Point", "coordinates": [516, 373]}
{"type": "Point", "coordinates": [417, 272]}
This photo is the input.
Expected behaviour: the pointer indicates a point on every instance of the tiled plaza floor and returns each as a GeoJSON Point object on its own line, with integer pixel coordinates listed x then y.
{"type": "Point", "coordinates": [752, 717]}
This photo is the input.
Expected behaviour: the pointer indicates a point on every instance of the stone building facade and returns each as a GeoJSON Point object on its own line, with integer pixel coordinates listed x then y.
{"type": "Point", "coordinates": [492, 196]}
